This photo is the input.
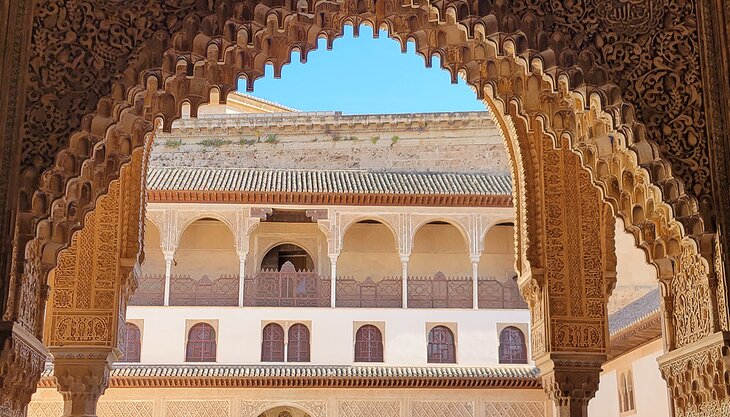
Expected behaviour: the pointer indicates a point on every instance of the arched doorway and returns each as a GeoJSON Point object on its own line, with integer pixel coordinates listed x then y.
{"type": "Point", "coordinates": [284, 411]}
{"type": "Point", "coordinates": [548, 115]}
{"type": "Point", "coordinates": [276, 257]}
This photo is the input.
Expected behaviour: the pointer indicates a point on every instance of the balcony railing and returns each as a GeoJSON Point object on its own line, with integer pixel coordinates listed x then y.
{"type": "Point", "coordinates": [150, 291]}
{"type": "Point", "coordinates": [185, 291]}
{"type": "Point", "coordinates": [289, 288]}
{"type": "Point", "coordinates": [500, 295]}
{"type": "Point", "coordinates": [286, 288]}
{"type": "Point", "coordinates": [440, 291]}
{"type": "Point", "coordinates": [385, 293]}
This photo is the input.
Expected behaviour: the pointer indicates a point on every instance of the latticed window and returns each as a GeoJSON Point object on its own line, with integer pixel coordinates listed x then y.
{"type": "Point", "coordinates": [512, 347]}
{"type": "Point", "coordinates": [272, 343]}
{"type": "Point", "coordinates": [441, 346]}
{"type": "Point", "coordinates": [132, 344]}
{"type": "Point", "coordinates": [368, 344]}
{"type": "Point", "coordinates": [201, 344]}
{"type": "Point", "coordinates": [298, 346]}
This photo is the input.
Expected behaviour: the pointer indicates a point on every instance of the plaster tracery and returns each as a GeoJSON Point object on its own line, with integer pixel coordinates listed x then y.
{"type": "Point", "coordinates": [581, 80]}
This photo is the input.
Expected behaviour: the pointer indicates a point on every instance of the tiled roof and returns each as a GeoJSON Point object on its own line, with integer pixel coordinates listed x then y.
{"type": "Point", "coordinates": [315, 375]}
{"type": "Point", "coordinates": [325, 181]}
{"type": "Point", "coordinates": [634, 312]}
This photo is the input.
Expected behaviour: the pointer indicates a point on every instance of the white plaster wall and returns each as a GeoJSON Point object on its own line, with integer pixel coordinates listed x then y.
{"type": "Point", "coordinates": [650, 392]}
{"type": "Point", "coordinates": [332, 338]}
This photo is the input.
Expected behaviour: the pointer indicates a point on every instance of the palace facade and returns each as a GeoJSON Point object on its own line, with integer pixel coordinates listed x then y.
{"type": "Point", "coordinates": [320, 264]}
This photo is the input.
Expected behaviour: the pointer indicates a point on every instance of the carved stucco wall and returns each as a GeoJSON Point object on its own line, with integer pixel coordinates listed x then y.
{"type": "Point", "coordinates": [172, 402]}
{"type": "Point", "coordinates": [78, 48]}
{"type": "Point", "coordinates": [368, 408]}
{"type": "Point", "coordinates": [635, 45]}
{"type": "Point", "coordinates": [442, 409]}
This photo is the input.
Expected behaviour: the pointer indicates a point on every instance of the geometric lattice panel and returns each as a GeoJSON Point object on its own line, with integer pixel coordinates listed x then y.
{"type": "Point", "coordinates": [515, 409]}
{"type": "Point", "coordinates": [369, 409]}
{"type": "Point", "coordinates": [255, 408]}
{"type": "Point", "coordinates": [443, 409]}
{"type": "Point", "coordinates": [213, 408]}
{"type": "Point", "coordinates": [45, 409]}
{"type": "Point", "coordinates": [125, 409]}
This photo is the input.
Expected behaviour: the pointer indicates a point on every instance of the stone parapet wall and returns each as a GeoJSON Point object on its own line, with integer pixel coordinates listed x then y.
{"type": "Point", "coordinates": [460, 142]}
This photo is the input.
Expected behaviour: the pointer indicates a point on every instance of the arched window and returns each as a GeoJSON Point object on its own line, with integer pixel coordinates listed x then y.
{"type": "Point", "coordinates": [630, 390]}
{"type": "Point", "coordinates": [272, 344]}
{"type": "Point", "coordinates": [132, 344]}
{"type": "Point", "coordinates": [298, 347]}
{"type": "Point", "coordinates": [368, 344]}
{"type": "Point", "coordinates": [626, 392]}
{"type": "Point", "coordinates": [441, 347]}
{"type": "Point", "coordinates": [512, 347]}
{"type": "Point", "coordinates": [201, 344]}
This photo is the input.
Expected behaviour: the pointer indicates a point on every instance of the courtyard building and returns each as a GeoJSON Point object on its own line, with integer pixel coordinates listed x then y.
{"type": "Point", "coordinates": [308, 262]}
{"type": "Point", "coordinates": [172, 248]}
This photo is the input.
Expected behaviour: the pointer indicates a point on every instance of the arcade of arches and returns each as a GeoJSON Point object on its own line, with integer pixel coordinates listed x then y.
{"type": "Point", "coordinates": [607, 108]}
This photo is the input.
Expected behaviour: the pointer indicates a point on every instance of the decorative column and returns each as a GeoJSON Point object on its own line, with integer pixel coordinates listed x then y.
{"type": "Point", "coordinates": [333, 278]}
{"type": "Point", "coordinates": [696, 330]}
{"type": "Point", "coordinates": [241, 276]}
{"type": "Point", "coordinates": [570, 381]}
{"type": "Point", "coordinates": [169, 259]}
{"type": "Point", "coordinates": [22, 359]}
{"type": "Point", "coordinates": [404, 274]}
{"type": "Point", "coordinates": [328, 222]}
{"type": "Point", "coordinates": [247, 220]}
{"type": "Point", "coordinates": [82, 375]}
{"type": "Point", "coordinates": [475, 280]}
{"type": "Point", "coordinates": [89, 290]}
{"type": "Point", "coordinates": [563, 279]}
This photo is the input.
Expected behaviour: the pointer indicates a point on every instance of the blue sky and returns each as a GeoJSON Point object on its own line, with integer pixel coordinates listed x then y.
{"type": "Point", "coordinates": [365, 75]}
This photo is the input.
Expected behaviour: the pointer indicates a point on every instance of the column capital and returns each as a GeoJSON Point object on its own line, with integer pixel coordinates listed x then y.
{"type": "Point", "coordinates": [474, 257]}
{"type": "Point", "coordinates": [22, 359]}
{"type": "Point", "coordinates": [82, 376]}
{"type": "Point", "coordinates": [697, 375]}
{"type": "Point", "coordinates": [570, 380]}
{"type": "Point", "coordinates": [404, 257]}
{"type": "Point", "coordinates": [169, 255]}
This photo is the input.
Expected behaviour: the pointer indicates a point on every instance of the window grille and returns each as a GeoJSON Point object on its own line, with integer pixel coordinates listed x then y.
{"type": "Point", "coordinates": [201, 344]}
{"type": "Point", "coordinates": [272, 344]}
{"type": "Point", "coordinates": [368, 344]}
{"type": "Point", "coordinates": [512, 347]}
{"type": "Point", "coordinates": [441, 346]}
{"type": "Point", "coordinates": [298, 346]}
{"type": "Point", "coordinates": [131, 344]}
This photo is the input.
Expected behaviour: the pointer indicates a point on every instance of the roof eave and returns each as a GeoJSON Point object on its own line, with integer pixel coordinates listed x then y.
{"type": "Point", "coordinates": [339, 199]}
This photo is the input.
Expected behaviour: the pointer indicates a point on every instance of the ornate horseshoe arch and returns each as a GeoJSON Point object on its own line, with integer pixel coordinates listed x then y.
{"type": "Point", "coordinates": [558, 94]}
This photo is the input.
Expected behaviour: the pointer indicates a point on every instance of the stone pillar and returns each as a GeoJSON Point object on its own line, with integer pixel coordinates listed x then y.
{"type": "Point", "coordinates": [333, 278]}
{"type": "Point", "coordinates": [404, 274]}
{"type": "Point", "coordinates": [475, 280]}
{"type": "Point", "coordinates": [22, 358]}
{"type": "Point", "coordinates": [82, 375]}
{"type": "Point", "coordinates": [570, 380]}
{"type": "Point", "coordinates": [169, 258]}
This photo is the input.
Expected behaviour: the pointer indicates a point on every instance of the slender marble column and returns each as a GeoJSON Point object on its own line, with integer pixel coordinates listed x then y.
{"type": "Point", "coordinates": [404, 263]}
{"type": "Point", "coordinates": [475, 280]}
{"type": "Point", "coordinates": [169, 258]}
